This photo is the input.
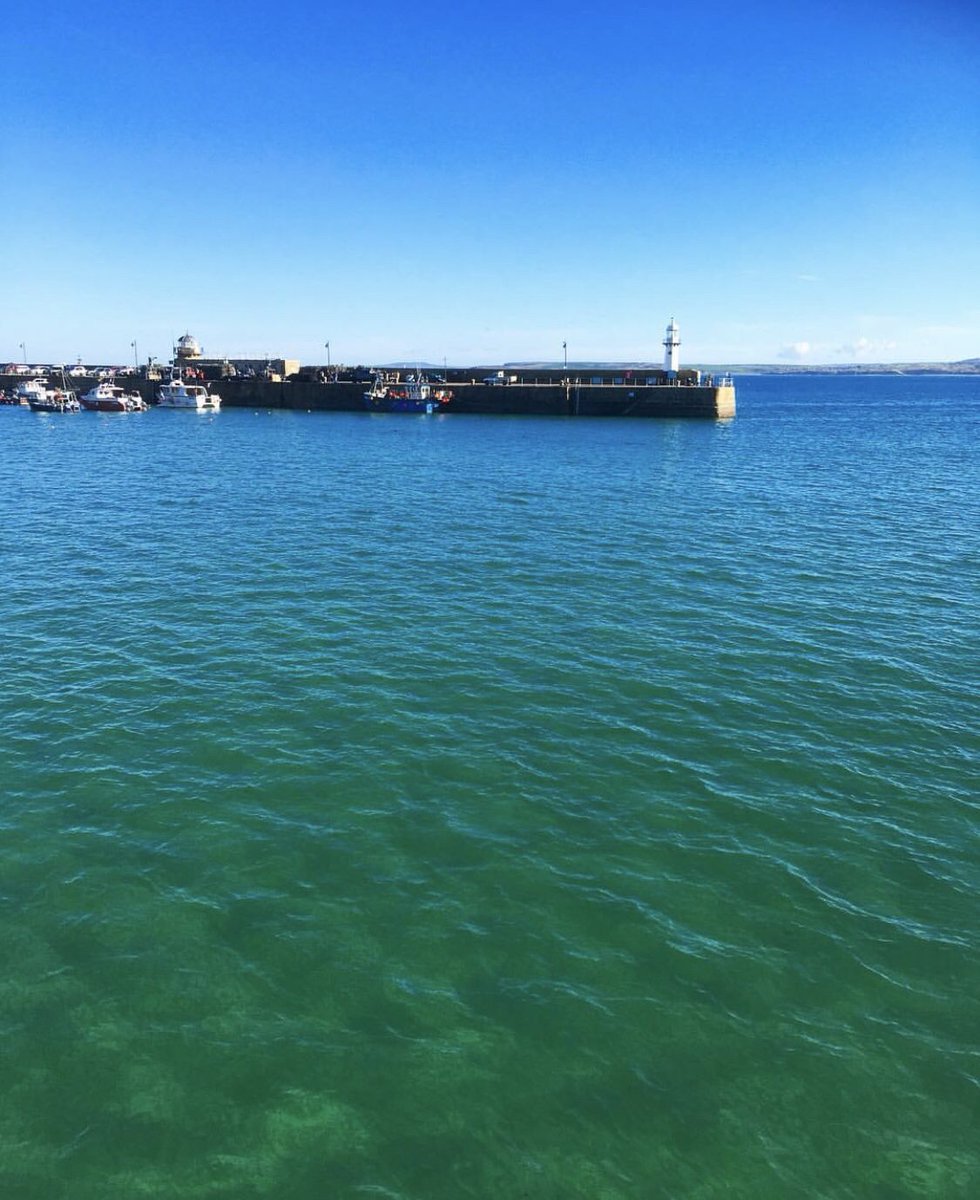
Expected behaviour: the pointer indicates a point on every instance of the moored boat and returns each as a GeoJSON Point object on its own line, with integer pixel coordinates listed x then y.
{"type": "Point", "coordinates": [178, 393]}
{"type": "Point", "coordinates": [30, 389]}
{"type": "Point", "coordinates": [416, 394]}
{"type": "Point", "coordinates": [110, 397]}
{"type": "Point", "coordinates": [41, 398]}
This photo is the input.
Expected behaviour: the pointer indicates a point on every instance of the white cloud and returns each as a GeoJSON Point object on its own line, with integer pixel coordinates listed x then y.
{"type": "Point", "coordinates": [795, 350]}
{"type": "Point", "coordinates": [865, 348]}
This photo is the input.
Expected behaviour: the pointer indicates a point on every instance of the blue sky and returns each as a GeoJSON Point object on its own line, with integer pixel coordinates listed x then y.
{"type": "Point", "coordinates": [482, 182]}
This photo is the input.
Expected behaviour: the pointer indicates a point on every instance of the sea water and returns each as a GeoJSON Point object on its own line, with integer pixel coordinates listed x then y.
{"type": "Point", "coordinates": [439, 807]}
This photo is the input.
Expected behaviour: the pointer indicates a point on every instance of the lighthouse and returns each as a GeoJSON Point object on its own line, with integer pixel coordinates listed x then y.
{"type": "Point", "coordinates": [671, 345]}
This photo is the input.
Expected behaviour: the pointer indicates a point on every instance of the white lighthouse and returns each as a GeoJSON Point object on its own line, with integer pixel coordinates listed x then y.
{"type": "Point", "coordinates": [671, 345]}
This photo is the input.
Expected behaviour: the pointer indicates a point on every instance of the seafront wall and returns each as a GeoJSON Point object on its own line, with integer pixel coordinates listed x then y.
{"type": "Point", "coordinates": [545, 399]}
{"type": "Point", "coordinates": [554, 400]}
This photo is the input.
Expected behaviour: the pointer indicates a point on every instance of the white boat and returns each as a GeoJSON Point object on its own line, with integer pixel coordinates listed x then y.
{"type": "Point", "coordinates": [110, 397]}
{"type": "Point", "coordinates": [41, 398]}
{"type": "Point", "coordinates": [178, 393]}
{"type": "Point", "coordinates": [31, 389]}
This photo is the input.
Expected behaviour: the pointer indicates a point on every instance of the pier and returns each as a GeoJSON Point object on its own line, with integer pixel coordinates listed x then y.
{"type": "Point", "coordinates": [574, 398]}
{"type": "Point", "coordinates": [525, 389]}
{"type": "Point", "coordinates": [559, 398]}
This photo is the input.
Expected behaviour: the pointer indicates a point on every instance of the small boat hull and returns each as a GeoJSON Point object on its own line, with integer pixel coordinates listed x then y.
{"type": "Point", "coordinates": [104, 405]}
{"type": "Point", "coordinates": [211, 404]}
{"type": "Point", "coordinates": [54, 406]}
{"type": "Point", "coordinates": [108, 397]}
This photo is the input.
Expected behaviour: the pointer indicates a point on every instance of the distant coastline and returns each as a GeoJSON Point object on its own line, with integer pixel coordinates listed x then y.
{"type": "Point", "coordinates": [287, 367]}
{"type": "Point", "coordinates": [966, 366]}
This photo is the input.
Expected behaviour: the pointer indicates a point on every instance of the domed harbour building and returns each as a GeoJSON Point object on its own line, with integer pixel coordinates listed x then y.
{"type": "Point", "coordinates": [188, 348]}
{"type": "Point", "coordinates": [189, 356]}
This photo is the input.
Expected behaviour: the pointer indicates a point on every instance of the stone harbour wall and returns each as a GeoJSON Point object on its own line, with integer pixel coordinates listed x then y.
{"type": "Point", "coordinates": [544, 399]}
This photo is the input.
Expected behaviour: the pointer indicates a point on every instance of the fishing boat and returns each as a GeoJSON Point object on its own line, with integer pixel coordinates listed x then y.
{"type": "Point", "coordinates": [416, 394]}
{"type": "Point", "coordinates": [41, 398]}
{"type": "Point", "coordinates": [110, 397]}
{"type": "Point", "coordinates": [178, 393]}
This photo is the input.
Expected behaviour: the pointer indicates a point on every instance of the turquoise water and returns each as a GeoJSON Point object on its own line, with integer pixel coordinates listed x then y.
{"type": "Point", "coordinates": [428, 808]}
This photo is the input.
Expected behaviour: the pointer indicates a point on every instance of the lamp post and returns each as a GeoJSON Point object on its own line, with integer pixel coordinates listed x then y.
{"type": "Point", "coordinates": [564, 350]}
{"type": "Point", "coordinates": [136, 356]}
{"type": "Point", "coordinates": [24, 352]}
{"type": "Point", "coordinates": [327, 344]}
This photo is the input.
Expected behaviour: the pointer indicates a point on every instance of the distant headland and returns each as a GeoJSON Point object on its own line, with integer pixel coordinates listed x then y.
{"type": "Point", "coordinates": [965, 366]}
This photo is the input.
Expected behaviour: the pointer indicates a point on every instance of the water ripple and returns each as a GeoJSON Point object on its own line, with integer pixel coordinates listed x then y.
{"type": "Point", "coordinates": [511, 807]}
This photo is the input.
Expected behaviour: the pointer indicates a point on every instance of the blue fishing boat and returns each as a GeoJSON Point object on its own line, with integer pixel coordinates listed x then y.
{"type": "Point", "coordinates": [389, 393]}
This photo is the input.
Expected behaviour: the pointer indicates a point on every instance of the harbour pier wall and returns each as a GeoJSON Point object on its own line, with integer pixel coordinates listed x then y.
{"type": "Point", "coordinates": [556, 399]}
{"type": "Point", "coordinates": [581, 400]}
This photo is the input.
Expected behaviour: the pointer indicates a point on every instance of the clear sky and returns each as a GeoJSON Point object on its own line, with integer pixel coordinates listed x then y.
{"type": "Point", "coordinates": [482, 182]}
